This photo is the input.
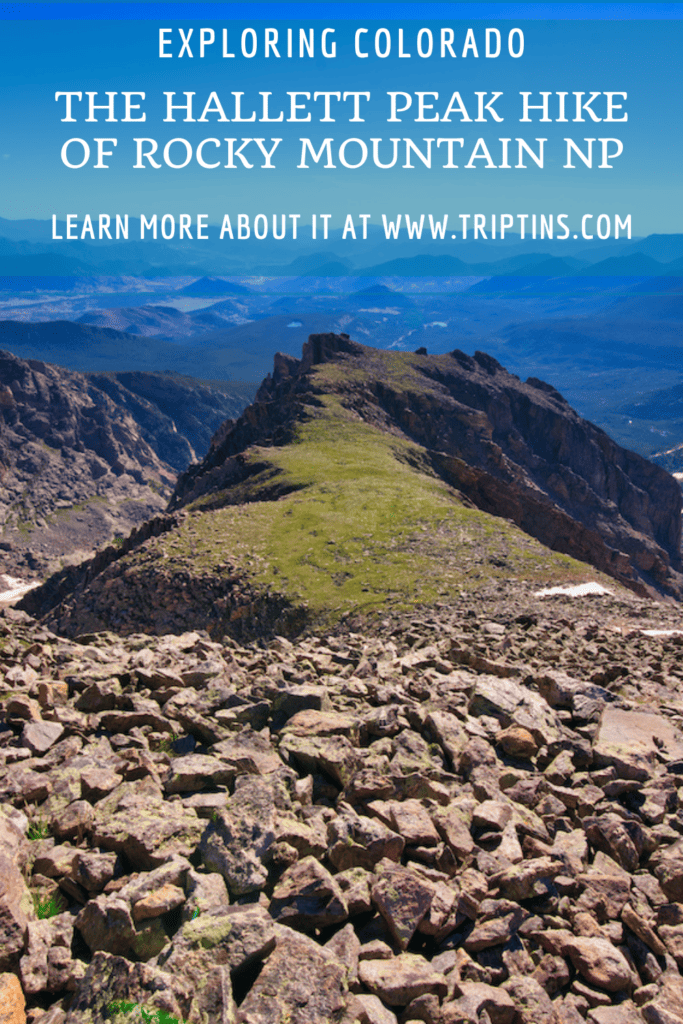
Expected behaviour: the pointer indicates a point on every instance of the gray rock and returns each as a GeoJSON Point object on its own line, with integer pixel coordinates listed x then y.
{"type": "Point", "coordinates": [497, 921]}
{"type": "Point", "coordinates": [631, 740]}
{"type": "Point", "coordinates": [106, 924]}
{"type": "Point", "coordinates": [197, 771]}
{"type": "Point", "coordinates": [409, 818]}
{"type": "Point", "coordinates": [22, 783]}
{"type": "Point", "coordinates": [532, 1003]}
{"type": "Point", "coordinates": [345, 946]}
{"type": "Point", "coordinates": [398, 981]}
{"type": "Point", "coordinates": [475, 999]}
{"type": "Point", "coordinates": [16, 908]}
{"type": "Point", "coordinates": [112, 979]}
{"type": "Point", "coordinates": [371, 1010]}
{"type": "Point", "coordinates": [93, 870]}
{"type": "Point", "coordinates": [625, 1013]}
{"type": "Point", "coordinates": [40, 736]}
{"type": "Point", "coordinates": [402, 898]}
{"type": "Point", "coordinates": [599, 962]}
{"type": "Point", "coordinates": [75, 821]}
{"type": "Point", "coordinates": [237, 841]}
{"type": "Point", "coordinates": [235, 937]}
{"type": "Point", "coordinates": [173, 872]}
{"type": "Point", "coordinates": [355, 886]}
{"type": "Point", "coordinates": [47, 965]}
{"type": "Point", "coordinates": [358, 841]}
{"type": "Point", "coordinates": [513, 704]}
{"type": "Point", "coordinates": [622, 840]}
{"type": "Point", "coordinates": [206, 894]}
{"type": "Point", "coordinates": [300, 983]}
{"type": "Point", "coordinates": [669, 871]}
{"type": "Point", "coordinates": [452, 825]}
{"type": "Point", "coordinates": [449, 733]}
{"type": "Point", "coordinates": [334, 755]}
{"type": "Point", "coordinates": [248, 753]}
{"type": "Point", "coordinates": [98, 782]}
{"type": "Point", "coordinates": [139, 824]}
{"type": "Point", "coordinates": [308, 897]}
{"type": "Point", "coordinates": [517, 882]}
{"type": "Point", "coordinates": [298, 698]}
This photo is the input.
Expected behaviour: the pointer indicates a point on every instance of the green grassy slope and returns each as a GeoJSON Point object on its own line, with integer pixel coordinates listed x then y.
{"type": "Point", "coordinates": [365, 524]}
{"type": "Point", "coordinates": [336, 512]}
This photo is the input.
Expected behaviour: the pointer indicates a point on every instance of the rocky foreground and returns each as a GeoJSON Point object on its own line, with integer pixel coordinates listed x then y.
{"type": "Point", "coordinates": [466, 817]}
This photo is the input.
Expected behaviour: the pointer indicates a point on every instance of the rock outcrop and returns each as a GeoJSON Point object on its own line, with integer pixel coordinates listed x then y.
{"type": "Point", "coordinates": [176, 415]}
{"type": "Point", "coordinates": [469, 815]}
{"type": "Point", "coordinates": [74, 467]}
{"type": "Point", "coordinates": [86, 457]}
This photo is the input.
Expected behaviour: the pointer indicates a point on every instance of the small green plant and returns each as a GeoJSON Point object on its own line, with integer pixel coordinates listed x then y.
{"type": "Point", "coordinates": [38, 829]}
{"type": "Point", "coordinates": [48, 906]}
{"type": "Point", "coordinates": [166, 745]}
{"type": "Point", "coordinates": [122, 1006]}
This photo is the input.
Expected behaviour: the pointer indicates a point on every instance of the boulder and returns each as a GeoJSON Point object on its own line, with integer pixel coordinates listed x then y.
{"type": "Point", "coordinates": [308, 897]}
{"type": "Point", "coordinates": [12, 1002]}
{"type": "Point", "coordinates": [399, 980]}
{"type": "Point", "coordinates": [112, 981]}
{"type": "Point", "coordinates": [631, 740]}
{"type": "Point", "coordinates": [300, 983]}
{"type": "Point", "coordinates": [238, 839]}
{"type": "Point", "coordinates": [402, 898]}
{"type": "Point", "coordinates": [599, 962]}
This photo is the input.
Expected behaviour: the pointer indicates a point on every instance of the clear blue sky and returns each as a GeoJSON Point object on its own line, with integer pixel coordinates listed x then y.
{"type": "Point", "coordinates": [99, 47]}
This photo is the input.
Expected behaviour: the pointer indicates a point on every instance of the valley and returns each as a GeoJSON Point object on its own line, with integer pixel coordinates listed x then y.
{"type": "Point", "coordinates": [605, 342]}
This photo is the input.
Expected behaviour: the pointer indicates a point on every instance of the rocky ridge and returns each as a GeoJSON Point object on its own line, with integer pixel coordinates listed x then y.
{"type": "Point", "coordinates": [361, 479]}
{"type": "Point", "coordinates": [470, 816]}
{"type": "Point", "coordinates": [514, 449]}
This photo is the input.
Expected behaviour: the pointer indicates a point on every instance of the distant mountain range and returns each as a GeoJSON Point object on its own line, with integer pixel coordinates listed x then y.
{"type": "Point", "coordinates": [27, 249]}
{"type": "Point", "coordinates": [52, 264]}
{"type": "Point", "coordinates": [602, 341]}
{"type": "Point", "coordinates": [165, 321]}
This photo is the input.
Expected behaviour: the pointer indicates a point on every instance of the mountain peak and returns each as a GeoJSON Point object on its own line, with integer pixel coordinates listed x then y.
{"type": "Point", "coordinates": [361, 481]}
{"type": "Point", "coordinates": [511, 448]}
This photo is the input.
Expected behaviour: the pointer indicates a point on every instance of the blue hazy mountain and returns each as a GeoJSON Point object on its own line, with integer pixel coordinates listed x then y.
{"type": "Point", "coordinates": [214, 286]}
{"type": "Point", "coordinates": [27, 248]}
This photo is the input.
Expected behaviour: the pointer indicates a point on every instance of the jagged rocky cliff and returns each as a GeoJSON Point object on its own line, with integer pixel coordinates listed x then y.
{"type": "Point", "coordinates": [176, 415]}
{"type": "Point", "coordinates": [514, 449]}
{"type": "Point", "coordinates": [73, 465]}
{"type": "Point", "coordinates": [85, 457]}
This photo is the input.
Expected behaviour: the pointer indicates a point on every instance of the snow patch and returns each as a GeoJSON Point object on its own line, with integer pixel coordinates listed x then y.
{"type": "Point", "coordinates": [577, 590]}
{"type": "Point", "coordinates": [11, 588]}
{"type": "Point", "coordinates": [661, 632]}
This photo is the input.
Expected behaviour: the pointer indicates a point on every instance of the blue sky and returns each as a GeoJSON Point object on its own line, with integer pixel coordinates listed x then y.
{"type": "Point", "coordinates": [100, 47]}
